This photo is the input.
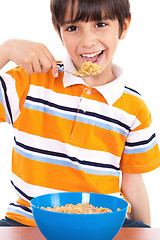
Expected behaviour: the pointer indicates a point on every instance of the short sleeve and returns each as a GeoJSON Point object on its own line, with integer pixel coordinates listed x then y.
{"type": "Point", "coordinates": [14, 87]}
{"type": "Point", "coordinates": [141, 152]}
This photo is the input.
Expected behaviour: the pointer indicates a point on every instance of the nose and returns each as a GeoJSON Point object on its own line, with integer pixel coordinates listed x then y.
{"type": "Point", "coordinates": [88, 39]}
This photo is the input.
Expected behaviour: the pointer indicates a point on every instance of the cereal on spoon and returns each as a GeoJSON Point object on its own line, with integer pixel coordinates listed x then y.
{"type": "Point", "coordinates": [87, 69]}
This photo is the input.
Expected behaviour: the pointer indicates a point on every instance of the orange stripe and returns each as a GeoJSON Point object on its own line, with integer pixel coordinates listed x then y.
{"type": "Point", "coordinates": [48, 81]}
{"type": "Point", "coordinates": [23, 79]}
{"type": "Point", "coordinates": [21, 83]}
{"type": "Point", "coordinates": [141, 162]}
{"type": "Point", "coordinates": [89, 137]}
{"type": "Point", "coordinates": [27, 122]}
{"type": "Point", "coordinates": [130, 104]}
{"type": "Point", "coordinates": [23, 202]}
{"type": "Point", "coordinates": [2, 114]}
{"type": "Point", "coordinates": [96, 138]}
{"type": "Point", "coordinates": [21, 219]}
{"type": "Point", "coordinates": [60, 177]}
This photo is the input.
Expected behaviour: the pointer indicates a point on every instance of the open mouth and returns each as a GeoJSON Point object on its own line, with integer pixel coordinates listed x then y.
{"type": "Point", "coordinates": [93, 57]}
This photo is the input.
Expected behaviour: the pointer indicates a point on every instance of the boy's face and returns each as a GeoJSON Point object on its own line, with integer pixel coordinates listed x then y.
{"type": "Point", "coordinates": [95, 42]}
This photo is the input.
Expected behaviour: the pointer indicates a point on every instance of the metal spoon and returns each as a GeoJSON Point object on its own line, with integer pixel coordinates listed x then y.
{"type": "Point", "coordinates": [76, 74]}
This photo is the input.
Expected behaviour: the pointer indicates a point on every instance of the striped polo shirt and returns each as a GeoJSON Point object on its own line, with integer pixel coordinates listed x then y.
{"type": "Point", "coordinates": [72, 137]}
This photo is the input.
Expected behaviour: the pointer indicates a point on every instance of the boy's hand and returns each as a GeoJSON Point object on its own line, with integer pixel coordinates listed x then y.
{"type": "Point", "coordinates": [33, 57]}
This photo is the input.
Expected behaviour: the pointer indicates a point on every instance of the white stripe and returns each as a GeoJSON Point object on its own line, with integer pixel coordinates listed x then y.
{"type": "Point", "coordinates": [3, 101]}
{"type": "Point", "coordinates": [117, 194]}
{"type": "Point", "coordinates": [12, 209]}
{"type": "Point", "coordinates": [84, 104]}
{"type": "Point", "coordinates": [57, 146]}
{"type": "Point", "coordinates": [135, 124]}
{"type": "Point", "coordinates": [141, 146]}
{"type": "Point", "coordinates": [35, 191]}
{"type": "Point", "coordinates": [20, 211]}
{"type": "Point", "coordinates": [92, 120]}
{"type": "Point", "coordinates": [129, 91]}
{"type": "Point", "coordinates": [53, 97]}
{"type": "Point", "coordinates": [66, 162]}
{"type": "Point", "coordinates": [49, 107]}
{"type": "Point", "coordinates": [31, 190]}
{"type": "Point", "coordinates": [140, 135]}
{"type": "Point", "coordinates": [19, 194]}
{"type": "Point", "coordinates": [12, 95]}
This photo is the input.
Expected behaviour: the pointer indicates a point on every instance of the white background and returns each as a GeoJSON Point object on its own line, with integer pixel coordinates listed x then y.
{"type": "Point", "coordinates": [138, 54]}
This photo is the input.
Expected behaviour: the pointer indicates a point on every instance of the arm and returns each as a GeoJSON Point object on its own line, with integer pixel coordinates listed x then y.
{"type": "Point", "coordinates": [134, 190]}
{"type": "Point", "coordinates": [32, 56]}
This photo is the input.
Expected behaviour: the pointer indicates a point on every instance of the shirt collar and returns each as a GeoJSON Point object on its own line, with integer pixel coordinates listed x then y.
{"type": "Point", "coordinates": [111, 91]}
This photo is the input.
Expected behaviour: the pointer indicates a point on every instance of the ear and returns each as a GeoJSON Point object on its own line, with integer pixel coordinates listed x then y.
{"type": "Point", "coordinates": [125, 28]}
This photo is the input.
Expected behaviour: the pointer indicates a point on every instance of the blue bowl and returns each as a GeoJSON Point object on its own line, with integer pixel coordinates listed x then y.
{"type": "Point", "coordinates": [71, 226]}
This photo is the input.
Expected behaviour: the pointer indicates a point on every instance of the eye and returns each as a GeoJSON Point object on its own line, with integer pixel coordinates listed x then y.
{"type": "Point", "coordinates": [71, 28]}
{"type": "Point", "coordinates": [101, 24]}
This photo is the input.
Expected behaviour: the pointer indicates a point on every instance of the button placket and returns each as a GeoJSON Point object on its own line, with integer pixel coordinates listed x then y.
{"type": "Point", "coordinates": [78, 133]}
{"type": "Point", "coordinates": [87, 92]}
{"type": "Point", "coordinates": [83, 105]}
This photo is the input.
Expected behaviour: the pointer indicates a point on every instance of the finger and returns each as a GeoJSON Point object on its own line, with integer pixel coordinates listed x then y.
{"type": "Point", "coordinates": [37, 66]}
{"type": "Point", "coordinates": [28, 68]}
{"type": "Point", "coordinates": [45, 64]}
{"type": "Point", "coordinates": [54, 71]}
{"type": "Point", "coordinates": [49, 64]}
{"type": "Point", "coordinates": [52, 61]}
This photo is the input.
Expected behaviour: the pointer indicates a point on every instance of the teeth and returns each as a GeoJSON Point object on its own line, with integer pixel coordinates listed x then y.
{"type": "Point", "coordinates": [91, 55]}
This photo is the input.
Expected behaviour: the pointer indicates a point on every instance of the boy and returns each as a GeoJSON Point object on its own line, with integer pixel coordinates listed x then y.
{"type": "Point", "coordinates": [75, 134]}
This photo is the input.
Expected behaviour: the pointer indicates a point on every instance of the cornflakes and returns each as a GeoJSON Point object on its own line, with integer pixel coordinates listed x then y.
{"type": "Point", "coordinates": [88, 68]}
{"type": "Point", "coordinates": [79, 208]}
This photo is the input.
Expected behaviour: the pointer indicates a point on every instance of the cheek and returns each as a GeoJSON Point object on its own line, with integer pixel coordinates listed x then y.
{"type": "Point", "coordinates": [69, 44]}
{"type": "Point", "coordinates": [113, 42]}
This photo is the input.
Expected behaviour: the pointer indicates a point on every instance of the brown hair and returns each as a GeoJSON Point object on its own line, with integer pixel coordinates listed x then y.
{"type": "Point", "coordinates": [90, 10]}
